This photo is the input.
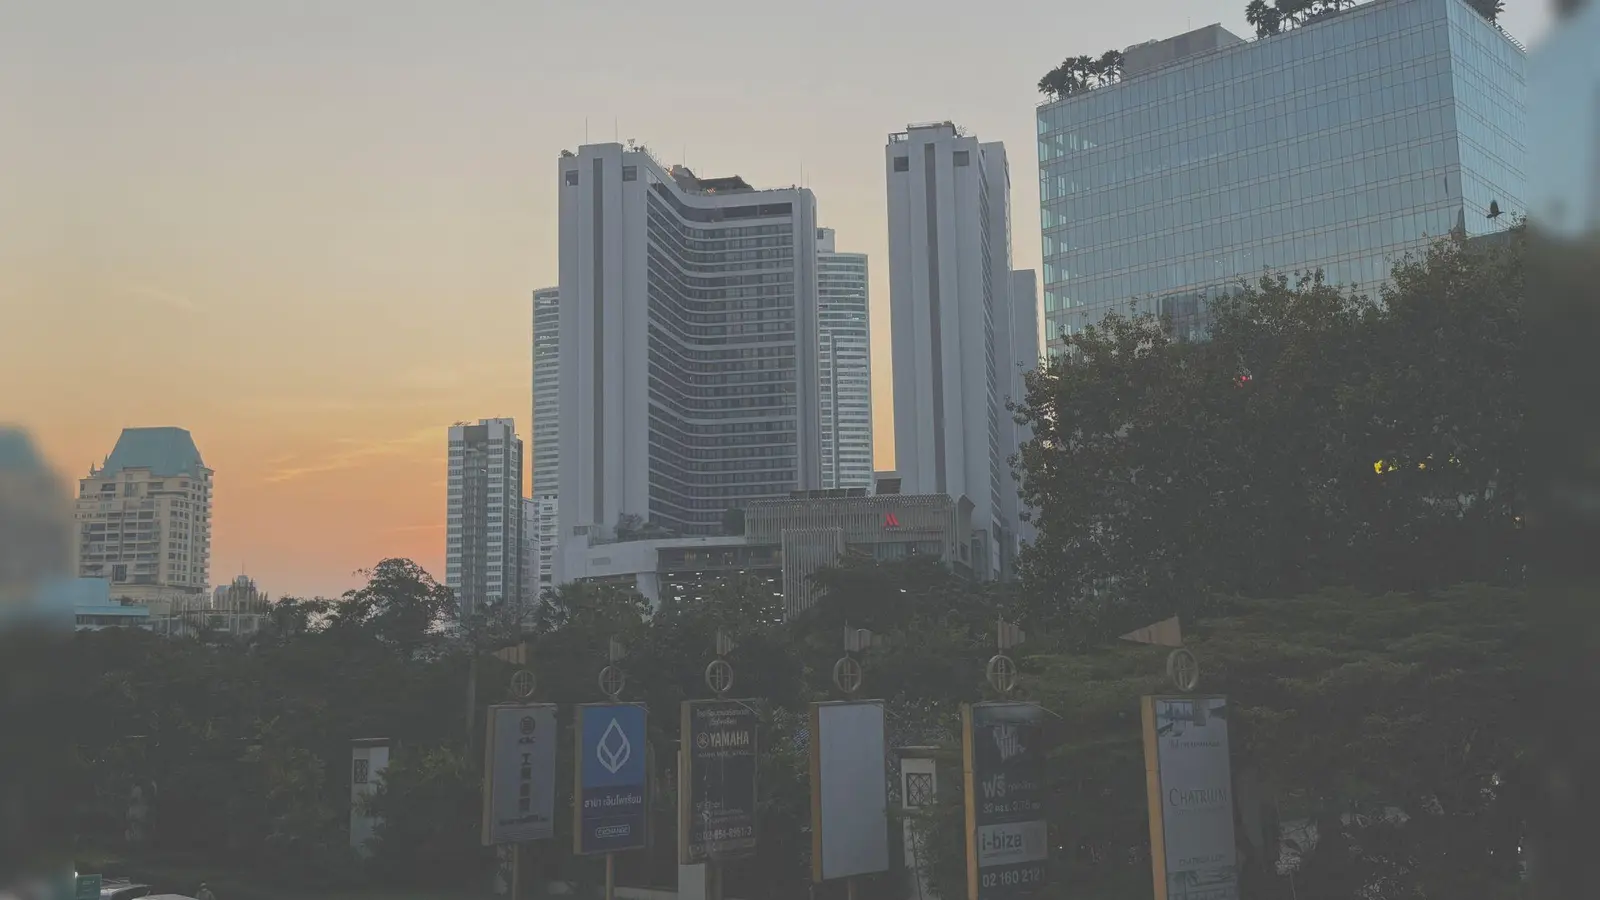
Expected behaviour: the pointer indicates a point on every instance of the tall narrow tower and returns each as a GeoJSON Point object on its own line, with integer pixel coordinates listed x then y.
{"type": "Point", "coordinates": [950, 310]}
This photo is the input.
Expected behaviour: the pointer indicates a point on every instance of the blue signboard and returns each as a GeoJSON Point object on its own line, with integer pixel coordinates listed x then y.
{"type": "Point", "coordinates": [611, 808]}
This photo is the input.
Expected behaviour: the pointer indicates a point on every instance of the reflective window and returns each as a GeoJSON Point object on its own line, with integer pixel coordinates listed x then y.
{"type": "Point", "coordinates": [1341, 146]}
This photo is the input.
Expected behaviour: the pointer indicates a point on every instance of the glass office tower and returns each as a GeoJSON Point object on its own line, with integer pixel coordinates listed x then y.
{"type": "Point", "coordinates": [1341, 144]}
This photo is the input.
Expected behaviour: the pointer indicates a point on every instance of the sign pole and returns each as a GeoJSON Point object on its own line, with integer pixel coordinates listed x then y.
{"type": "Point", "coordinates": [516, 872]}
{"type": "Point", "coordinates": [713, 880]}
{"type": "Point", "coordinates": [850, 888]}
{"type": "Point", "coordinates": [611, 876]}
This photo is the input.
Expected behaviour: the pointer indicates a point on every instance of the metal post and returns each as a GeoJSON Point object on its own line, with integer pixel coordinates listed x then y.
{"type": "Point", "coordinates": [611, 876]}
{"type": "Point", "coordinates": [516, 872]}
{"type": "Point", "coordinates": [850, 888]}
{"type": "Point", "coordinates": [472, 700]}
{"type": "Point", "coordinates": [713, 880]}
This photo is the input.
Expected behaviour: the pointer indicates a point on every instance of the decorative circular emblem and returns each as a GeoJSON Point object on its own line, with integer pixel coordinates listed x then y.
{"type": "Point", "coordinates": [703, 740]}
{"type": "Point", "coordinates": [1002, 673]}
{"type": "Point", "coordinates": [527, 724]}
{"type": "Point", "coordinates": [612, 681]}
{"type": "Point", "coordinates": [847, 675]}
{"type": "Point", "coordinates": [522, 684]}
{"type": "Point", "coordinates": [719, 676]}
{"type": "Point", "coordinates": [1184, 669]}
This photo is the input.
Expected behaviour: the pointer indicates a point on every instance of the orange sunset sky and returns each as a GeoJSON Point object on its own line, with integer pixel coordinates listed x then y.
{"type": "Point", "coordinates": [308, 231]}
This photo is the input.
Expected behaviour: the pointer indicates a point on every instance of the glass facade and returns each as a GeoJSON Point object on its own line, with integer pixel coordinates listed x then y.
{"type": "Point", "coordinates": [1340, 145]}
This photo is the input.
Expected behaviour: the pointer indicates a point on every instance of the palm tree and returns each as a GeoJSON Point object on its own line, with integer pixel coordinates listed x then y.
{"type": "Point", "coordinates": [1266, 19]}
{"type": "Point", "coordinates": [1108, 68]}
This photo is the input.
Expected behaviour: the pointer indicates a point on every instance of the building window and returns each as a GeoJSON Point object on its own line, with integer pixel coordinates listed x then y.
{"type": "Point", "coordinates": [629, 173]}
{"type": "Point", "coordinates": [572, 176]}
{"type": "Point", "coordinates": [919, 789]}
{"type": "Point", "coordinates": [902, 163]}
{"type": "Point", "coordinates": [961, 157]}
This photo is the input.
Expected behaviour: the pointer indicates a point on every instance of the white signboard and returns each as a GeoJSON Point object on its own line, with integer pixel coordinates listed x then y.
{"type": "Point", "coordinates": [519, 785]}
{"type": "Point", "coordinates": [1191, 797]}
{"type": "Point", "coordinates": [849, 790]}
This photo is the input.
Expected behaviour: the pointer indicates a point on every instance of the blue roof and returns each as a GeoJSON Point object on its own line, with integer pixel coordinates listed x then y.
{"type": "Point", "coordinates": [164, 451]}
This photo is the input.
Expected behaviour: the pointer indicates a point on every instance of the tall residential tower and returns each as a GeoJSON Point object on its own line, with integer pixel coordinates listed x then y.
{"type": "Point", "coordinates": [688, 345]}
{"type": "Point", "coordinates": [144, 517]}
{"type": "Point", "coordinates": [546, 434]}
{"type": "Point", "coordinates": [484, 550]}
{"type": "Point", "coordinates": [951, 310]}
{"type": "Point", "coordinates": [844, 365]}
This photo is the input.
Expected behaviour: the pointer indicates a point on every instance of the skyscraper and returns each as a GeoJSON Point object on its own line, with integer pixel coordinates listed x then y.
{"type": "Point", "coordinates": [950, 309]}
{"type": "Point", "coordinates": [546, 430]}
{"type": "Point", "coordinates": [144, 517]}
{"type": "Point", "coordinates": [1025, 358]}
{"type": "Point", "coordinates": [1342, 144]}
{"type": "Point", "coordinates": [483, 534]}
{"type": "Point", "coordinates": [844, 365]}
{"type": "Point", "coordinates": [689, 352]}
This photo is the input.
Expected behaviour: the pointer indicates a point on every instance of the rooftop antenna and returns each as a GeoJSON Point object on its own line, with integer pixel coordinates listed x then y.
{"type": "Point", "coordinates": [616, 129]}
{"type": "Point", "coordinates": [586, 129]}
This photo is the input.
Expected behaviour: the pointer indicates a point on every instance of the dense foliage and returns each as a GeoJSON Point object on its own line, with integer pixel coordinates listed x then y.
{"type": "Point", "coordinates": [1319, 437]}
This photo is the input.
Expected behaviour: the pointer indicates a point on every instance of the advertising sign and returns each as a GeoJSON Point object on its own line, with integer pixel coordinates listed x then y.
{"type": "Point", "coordinates": [611, 811]}
{"type": "Point", "coordinates": [1190, 785]}
{"type": "Point", "coordinates": [717, 788]}
{"type": "Point", "coordinates": [1008, 847]}
{"type": "Point", "coordinates": [849, 790]}
{"type": "Point", "coordinates": [519, 785]}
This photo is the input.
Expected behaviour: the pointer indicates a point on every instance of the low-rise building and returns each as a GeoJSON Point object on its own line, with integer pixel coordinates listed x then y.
{"type": "Point", "coordinates": [784, 543]}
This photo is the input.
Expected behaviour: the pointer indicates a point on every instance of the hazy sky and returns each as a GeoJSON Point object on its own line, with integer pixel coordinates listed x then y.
{"type": "Point", "coordinates": [307, 231]}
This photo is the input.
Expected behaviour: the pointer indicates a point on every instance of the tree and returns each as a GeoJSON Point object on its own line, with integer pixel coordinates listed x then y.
{"type": "Point", "coordinates": [1386, 721]}
{"type": "Point", "coordinates": [1489, 9]}
{"type": "Point", "coordinates": [1266, 19]}
{"type": "Point", "coordinates": [1318, 437]}
{"type": "Point", "coordinates": [428, 804]}
{"type": "Point", "coordinates": [1080, 73]}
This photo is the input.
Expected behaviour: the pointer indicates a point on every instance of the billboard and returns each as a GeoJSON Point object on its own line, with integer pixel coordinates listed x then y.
{"type": "Point", "coordinates": [1190, 785]}
{"type": "Point", "coordinates": [717, 788]}
{"type": "Point", "coordinates": [1003, 750]}
{"type": "Point", "coordinates": [849, 790]}
{"type": "Point", "coordinates": [611, 804]}
{"type": "Point", "coordinates": [519, 784]}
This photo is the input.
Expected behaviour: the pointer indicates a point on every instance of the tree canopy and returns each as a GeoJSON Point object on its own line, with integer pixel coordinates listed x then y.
{"type": "Point", "coordinates": [1319, 437]}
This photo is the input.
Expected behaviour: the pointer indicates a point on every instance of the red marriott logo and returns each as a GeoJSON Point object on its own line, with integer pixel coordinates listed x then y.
{"type": "Point", "coordinates": [890, 520]}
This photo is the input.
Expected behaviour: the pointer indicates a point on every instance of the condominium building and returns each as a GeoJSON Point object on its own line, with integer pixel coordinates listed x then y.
{"type": "Point", "coordinates": [483, 534]}
{"type": "Point", "coordinates": [546, 432]}
{"type": "Point", "coordinates": [844, 365]}
{"type": "Point", "coordinates": [950, 310]}
{"type": "Point", "coordinates": [1026, 355]}
{"type": "Point", "coordinates": [143, 517]}
{"type": "Point", "coordinates": [1340, 144]}
{"type": "Point", "coordinates": [688, 357]}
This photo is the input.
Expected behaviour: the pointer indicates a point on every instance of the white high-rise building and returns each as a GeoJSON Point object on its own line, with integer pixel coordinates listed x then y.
{"type": "Point", "coordinates": [546, 432]}
{"type": "Point", "coordinates": [844, 365]}
{"type": "Point", "coordinates": [950, 312]}
{"type": "Point", "coordinates": [144, 517]}
{"type": "Point", "coordinates": [688, 345]}
{"type": "Point", "coordinates": [1026, 356]}
{"type": "Point", "coordinates": [484, 550]}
